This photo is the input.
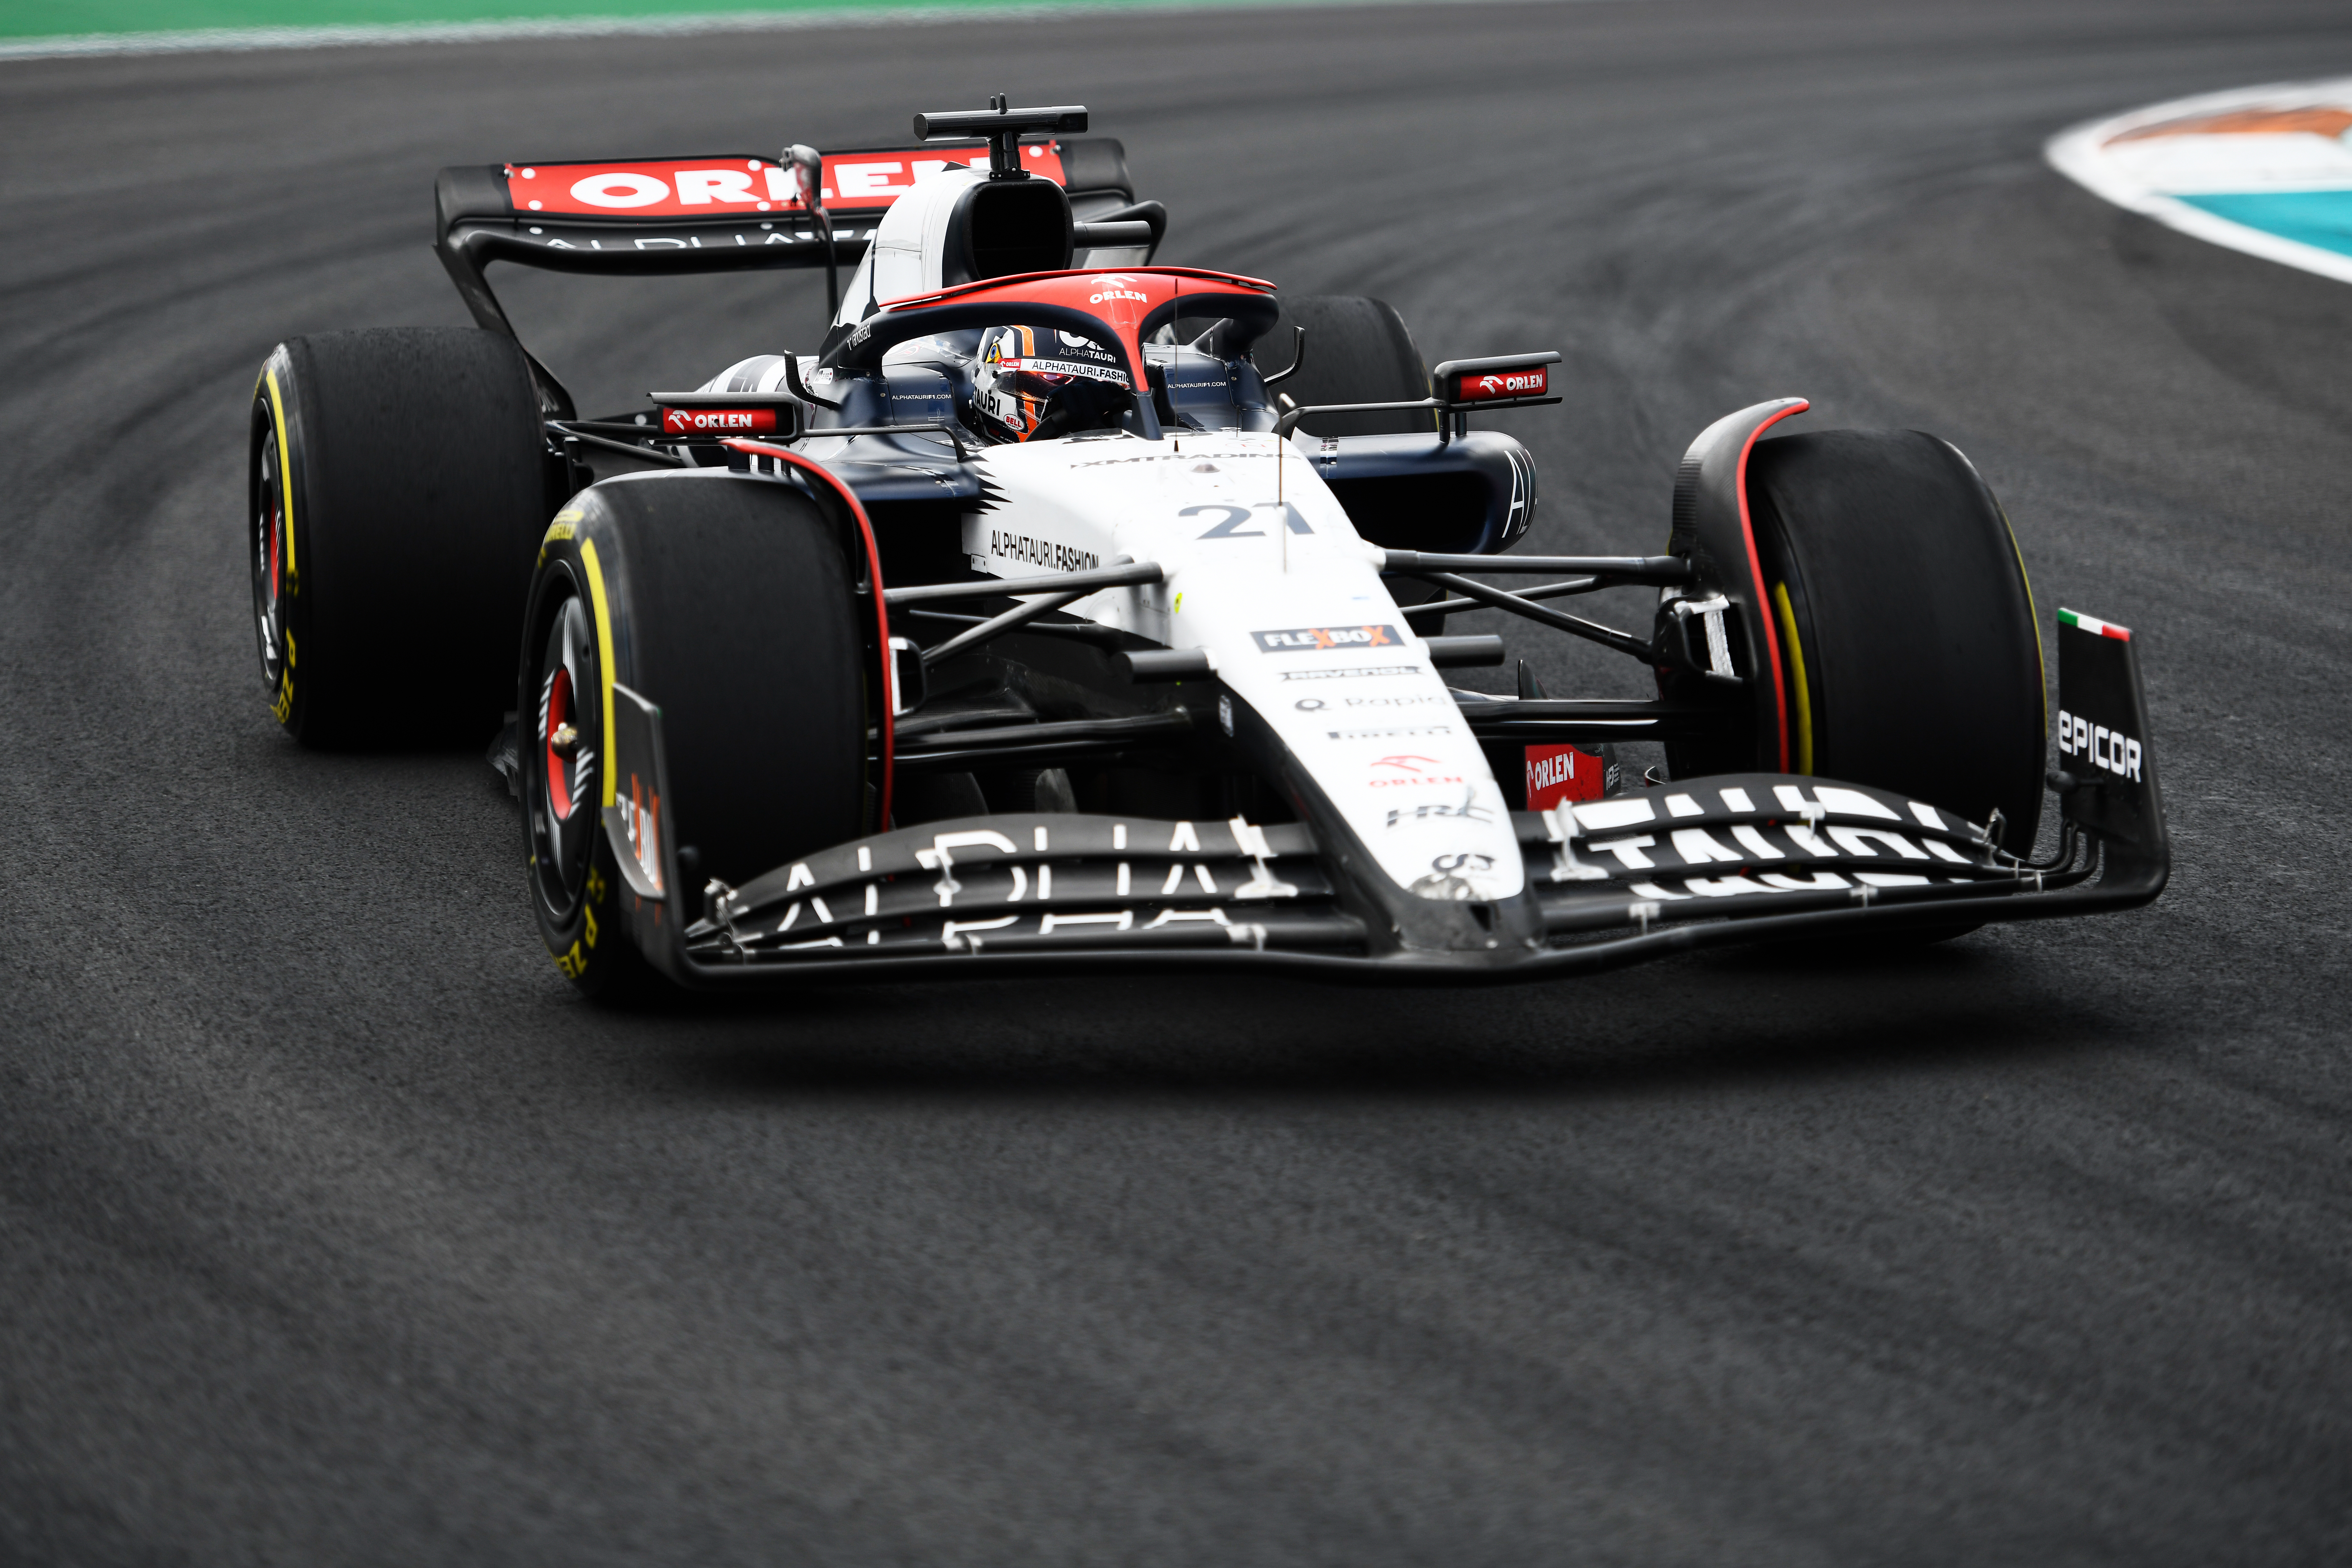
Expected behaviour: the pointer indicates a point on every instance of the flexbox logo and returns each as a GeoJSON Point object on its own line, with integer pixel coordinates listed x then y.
{"type": "Point", "coordinates": [1322, 640]}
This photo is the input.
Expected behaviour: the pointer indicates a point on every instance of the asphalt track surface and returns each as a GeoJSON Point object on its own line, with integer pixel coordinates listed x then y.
{"type": "Point", "coordinates": [334, 1228]}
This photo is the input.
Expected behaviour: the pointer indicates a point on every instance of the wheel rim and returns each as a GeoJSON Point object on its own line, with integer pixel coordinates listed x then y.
{"type": "Point", "coordinates": [555, 721]}
{"type": "Point", "coordinates": [270, 554]}
{"type": "Point", "coordinates": [563, 758]}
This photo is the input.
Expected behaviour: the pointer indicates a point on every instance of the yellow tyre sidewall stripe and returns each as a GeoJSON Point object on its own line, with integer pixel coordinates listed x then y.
{"type": "Point", "coordinates": [603, 658]}
{"type": "Point", "coordinates": [1802, 698]}
{"type": "Point", "coordinates": [285, 469]}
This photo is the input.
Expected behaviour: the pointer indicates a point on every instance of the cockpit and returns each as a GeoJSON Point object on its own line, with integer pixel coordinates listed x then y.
{"type": "Point", "coordinates": [1053, 362]}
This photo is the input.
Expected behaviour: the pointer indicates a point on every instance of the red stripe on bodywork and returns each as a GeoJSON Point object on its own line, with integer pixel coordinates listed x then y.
{"type": "Point", "coordinates": [1755, 575]}
{"type": "Point", "coordinates": [873, 575]}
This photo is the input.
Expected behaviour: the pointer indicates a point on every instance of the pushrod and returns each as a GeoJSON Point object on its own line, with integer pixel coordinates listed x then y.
{"type": "Point", "coordinates": [1072, 582]}
{"type": "Point", "coordinates": [1497, 598]}
{"type": "Point", "coordinates": [1663, 571]}
{"type": "Point", "coordinates": [997, 625]}
{"type": "Point", "coordinates": [1547, 591]}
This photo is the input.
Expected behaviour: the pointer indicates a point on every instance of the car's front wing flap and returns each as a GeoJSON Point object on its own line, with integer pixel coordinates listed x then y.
{"type": "Point", "coordinates": [1634, 876]}
{"type": "Point", "coordinates": [1004, 884]}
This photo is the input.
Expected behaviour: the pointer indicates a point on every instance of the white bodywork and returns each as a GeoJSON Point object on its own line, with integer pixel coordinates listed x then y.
{"type": "Point", "coordinates": [908, 245]}
{"type": "Point", "coordinates": [1368, 714]}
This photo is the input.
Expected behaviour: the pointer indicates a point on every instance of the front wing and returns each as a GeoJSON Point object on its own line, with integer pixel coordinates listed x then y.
{"type": "Point", "coordinates": [1696, 863]}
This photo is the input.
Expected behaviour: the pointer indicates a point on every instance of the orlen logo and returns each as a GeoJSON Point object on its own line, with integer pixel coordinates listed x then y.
{"type": "Point", "coordinates": [653, 190]}
{"type": "Point", "coordinates": [1411, 769]}
{"type": "Point", "coordinates": [716, 421]}
{"type": "Point", "coordinates": [1509, 384]}
{"type": "Point", "coordinates": [710, 187]}
{"type": "Point", "coordinates": [1556, 774]}
{"type": "Point", "coordinates": [1322, 640]}
{"type": "Point", "coordinates": [1114, 288]}
{"type": "Point", "coordinates": [2110, 749]}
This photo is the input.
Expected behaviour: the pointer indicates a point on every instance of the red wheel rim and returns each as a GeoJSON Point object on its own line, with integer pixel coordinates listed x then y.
{"type": "Point", "coordinates": [559, 767]}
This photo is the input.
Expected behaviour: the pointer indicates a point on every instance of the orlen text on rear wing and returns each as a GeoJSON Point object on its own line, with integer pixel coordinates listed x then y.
{"type": "Point", "coordinates": [720, 213]}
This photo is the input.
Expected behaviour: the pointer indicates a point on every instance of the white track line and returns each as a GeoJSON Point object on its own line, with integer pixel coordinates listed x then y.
{"type": "Point", "coordinates": [2078, 153]}
{"type": "Point", "coordinates": [194, 40]}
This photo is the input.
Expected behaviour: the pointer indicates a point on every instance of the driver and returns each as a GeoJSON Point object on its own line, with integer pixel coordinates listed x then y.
{"type": "Point", "coordinates": [1035, 383]}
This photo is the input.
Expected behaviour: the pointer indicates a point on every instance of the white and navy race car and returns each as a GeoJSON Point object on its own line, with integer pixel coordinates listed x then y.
{"type": "Point", "coordinates": [1037, 620]}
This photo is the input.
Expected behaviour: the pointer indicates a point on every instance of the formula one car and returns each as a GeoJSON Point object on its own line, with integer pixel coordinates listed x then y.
{"type": "Point", "coordinates": [1038, 621]}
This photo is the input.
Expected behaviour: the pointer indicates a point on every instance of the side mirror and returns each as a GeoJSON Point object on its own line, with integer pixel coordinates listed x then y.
{"type": "Point", "coordinates": [1502, 382]}
{"type": "Point", "coordinates": [808, 175]}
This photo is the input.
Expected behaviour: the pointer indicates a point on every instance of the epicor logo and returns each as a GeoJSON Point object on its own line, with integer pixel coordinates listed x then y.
{"type": "Point", "coordinates": [2110, 749]}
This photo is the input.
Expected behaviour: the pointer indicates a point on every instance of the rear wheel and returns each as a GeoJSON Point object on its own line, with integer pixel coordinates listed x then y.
{"type": "Point", "coordinates": [1912, 659]}
{"type": "Point", "coordinates": [398, 483]}
{"type": "Point", "coordinates": [728, 605]}
{"type": "Point", "coordinates": [1357, 351]}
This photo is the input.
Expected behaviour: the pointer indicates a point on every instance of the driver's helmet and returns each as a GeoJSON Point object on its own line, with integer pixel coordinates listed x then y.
{"type": "Point", "coordinates": [1032, 380]}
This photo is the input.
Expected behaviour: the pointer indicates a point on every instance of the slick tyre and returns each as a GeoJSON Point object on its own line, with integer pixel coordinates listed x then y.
{"type": "Point", "coordinates": [730, 606]}
{"type": "Point", "coordinates": [1912, 657]}
{"type": "Point", "coordinates": [1356, 350]}
{"type": "Point", "coordinates": [398, 484]}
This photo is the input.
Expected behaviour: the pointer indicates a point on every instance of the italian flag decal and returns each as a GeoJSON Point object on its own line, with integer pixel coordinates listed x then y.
{"type": "Point", "coordinates": [2094, 626]}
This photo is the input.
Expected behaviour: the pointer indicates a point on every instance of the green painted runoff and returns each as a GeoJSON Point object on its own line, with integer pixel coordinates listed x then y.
{"type": "Point", "coordinates": [46, 18]}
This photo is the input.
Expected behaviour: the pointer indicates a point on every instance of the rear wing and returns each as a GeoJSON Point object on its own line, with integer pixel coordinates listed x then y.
{"type": "Point", "coordinates": [719, 212]}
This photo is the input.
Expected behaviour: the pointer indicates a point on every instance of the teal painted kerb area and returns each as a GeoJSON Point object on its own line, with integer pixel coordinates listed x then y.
{"type": "Point", "coordinates": [2321, 218]}
{"type": "Point", "coordinates": [53, 19]}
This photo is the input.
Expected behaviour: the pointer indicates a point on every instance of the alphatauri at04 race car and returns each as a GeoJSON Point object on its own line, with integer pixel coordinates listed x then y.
{"type": "Point", "coordinates": [1038, 621]}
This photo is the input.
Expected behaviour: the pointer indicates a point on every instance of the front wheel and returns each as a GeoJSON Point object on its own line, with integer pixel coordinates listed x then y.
{"type": "Point", "coordinates": [728, 605]}
{"type": "Point", "coordinates": [1911, 656]}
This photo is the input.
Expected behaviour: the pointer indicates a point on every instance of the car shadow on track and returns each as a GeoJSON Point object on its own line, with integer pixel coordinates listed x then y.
{"type": "Point", "coordinates": [1771, 1013]}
